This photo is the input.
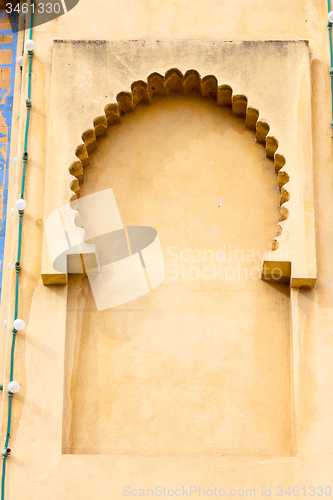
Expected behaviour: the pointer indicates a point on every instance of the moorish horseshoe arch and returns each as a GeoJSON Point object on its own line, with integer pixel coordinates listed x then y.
{"type": "Point", "coordinates": [70, 442]}
{"type": "Point", "coordinates": [295, 267]}
{"type": "Point", "coordinates": [207, 86]}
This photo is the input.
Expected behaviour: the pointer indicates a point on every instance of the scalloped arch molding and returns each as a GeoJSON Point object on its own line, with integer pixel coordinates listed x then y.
{"type": "Point", "coordinates": [175, 81]}
{"type": "Point", "coordinates": [263, 79]}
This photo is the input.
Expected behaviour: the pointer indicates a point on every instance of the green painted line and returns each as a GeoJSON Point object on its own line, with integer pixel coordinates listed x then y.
{"type": "Point", "coordinates": [25, 159]}
{"type": "Point", "coordinates": [329, 25]}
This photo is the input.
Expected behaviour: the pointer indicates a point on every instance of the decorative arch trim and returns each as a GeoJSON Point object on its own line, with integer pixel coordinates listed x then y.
{"type": "Point", "coordinates": [207, 87]}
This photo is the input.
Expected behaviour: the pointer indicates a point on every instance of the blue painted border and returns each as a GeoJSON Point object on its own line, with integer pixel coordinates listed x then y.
{"type": "Point", "coordinates": [7, 113]}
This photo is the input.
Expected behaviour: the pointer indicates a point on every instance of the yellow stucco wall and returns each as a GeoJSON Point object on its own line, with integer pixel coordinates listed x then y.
{"type": "Point", "coordinates": [297, 374]}
{"type": "Point", "coordinates": [191, 368]}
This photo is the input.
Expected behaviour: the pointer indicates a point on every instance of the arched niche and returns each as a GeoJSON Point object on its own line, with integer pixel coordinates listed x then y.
{"type": "Point", "coordinates": [197, 366]}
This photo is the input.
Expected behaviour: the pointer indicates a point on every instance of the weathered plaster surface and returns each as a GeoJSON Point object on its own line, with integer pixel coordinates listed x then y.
{"type": "Point", "coordinates": [201, 365]}
{"type": "Point", "coordinates": [37, 469]}
{"type": "Point", "coordinates": [268, 62]}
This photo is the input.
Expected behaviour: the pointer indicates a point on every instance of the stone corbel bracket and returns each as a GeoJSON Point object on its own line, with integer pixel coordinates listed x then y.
{"type": "Point", "coordinates": [292, 255]}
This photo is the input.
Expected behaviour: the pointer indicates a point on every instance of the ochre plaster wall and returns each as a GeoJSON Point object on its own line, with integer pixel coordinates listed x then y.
{"type": "Point", "coordinates": [37, 468]}
{"type": "Point", "coordinates": [201, 365]}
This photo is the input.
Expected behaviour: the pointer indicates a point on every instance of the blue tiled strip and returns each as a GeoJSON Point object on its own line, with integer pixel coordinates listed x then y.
{"type": "Point", "coordinates": [6, 110]}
